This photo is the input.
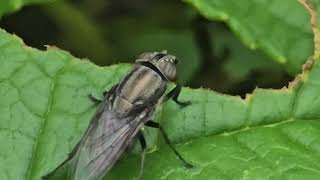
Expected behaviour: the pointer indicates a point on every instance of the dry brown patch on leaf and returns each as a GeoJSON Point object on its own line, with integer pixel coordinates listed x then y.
{"type": "Point", "coordinates": [308, 65]}
{"type": "Point", "coordinates": [314, 27]}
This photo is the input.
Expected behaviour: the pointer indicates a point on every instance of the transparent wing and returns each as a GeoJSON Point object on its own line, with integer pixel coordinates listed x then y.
{"type": "Point", "coordinates": [105, 141]}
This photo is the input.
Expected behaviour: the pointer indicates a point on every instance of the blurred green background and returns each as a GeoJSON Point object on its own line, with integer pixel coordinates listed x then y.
{"type": "Point", "coordinates": [107, 32]}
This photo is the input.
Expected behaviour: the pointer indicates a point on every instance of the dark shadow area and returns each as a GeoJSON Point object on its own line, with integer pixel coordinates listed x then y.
{"type": "Point", "coordinates": [108, 32]}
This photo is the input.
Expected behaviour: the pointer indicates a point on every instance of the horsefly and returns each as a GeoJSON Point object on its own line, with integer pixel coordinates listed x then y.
{"type": "Point", "coordinates": [122, 113]}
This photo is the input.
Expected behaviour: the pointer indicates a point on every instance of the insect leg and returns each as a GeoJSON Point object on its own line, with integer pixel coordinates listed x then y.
{"type": "Point", "coordinates": [105, 94]}
{"type": "Point", "coordinates": [110, 91]}
{"type": "Point", "coordinates": [168, 141]}
{"type": "Point", "coordinates": [144, 147]}
{"type": "Point", "coordinates": [174, 94]}
{"type": "Point", "coordinates": [94, 99]}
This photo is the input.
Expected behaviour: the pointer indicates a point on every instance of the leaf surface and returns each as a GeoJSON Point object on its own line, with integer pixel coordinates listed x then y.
{"type": "Point", "coordinates": [44, 109]}
{"type": "Point", "coordinates": [279, 28]}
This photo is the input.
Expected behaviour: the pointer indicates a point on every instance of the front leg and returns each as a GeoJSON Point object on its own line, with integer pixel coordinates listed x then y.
{"type": "Point", "coordinates": [112, 90]}
{"type": "Point", "coordinates": [174, 94]}
{"type": "Point", "coordinates": [94, 99]}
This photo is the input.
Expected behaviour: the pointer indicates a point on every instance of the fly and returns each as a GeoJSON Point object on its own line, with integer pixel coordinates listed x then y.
{"type": "Point", "coordinates": [124, 110]}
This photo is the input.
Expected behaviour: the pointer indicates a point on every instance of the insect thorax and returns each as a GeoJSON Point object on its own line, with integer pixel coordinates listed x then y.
{"type": "Point", "coordinates": [141, 86]}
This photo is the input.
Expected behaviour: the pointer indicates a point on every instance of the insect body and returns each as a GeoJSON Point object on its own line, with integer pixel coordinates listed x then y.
{"type": "Point", "coordinates": [126, 107]}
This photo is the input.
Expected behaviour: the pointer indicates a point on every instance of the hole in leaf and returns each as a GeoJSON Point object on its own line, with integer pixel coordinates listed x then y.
{"type": "Point", "coordinates": [226, 65]}
{"type": "Point", "coordinates": [230, 67]}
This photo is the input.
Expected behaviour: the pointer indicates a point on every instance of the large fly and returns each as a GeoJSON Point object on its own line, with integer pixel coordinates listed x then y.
{"type": "Point", "coordinates": [124, 110]}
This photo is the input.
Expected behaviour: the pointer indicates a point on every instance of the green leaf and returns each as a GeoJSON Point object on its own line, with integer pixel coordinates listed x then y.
{"type": "Point", "coordinates": [279, 28]}
{"type": "Point", "coordinates": [8, 6]}
{"type": "Point", "coordinates": [44, 109]}
{"type": "Point", "coordinates": [283, 151]}
{"type": "Point", "coordinates": [242, 62]}
{"type": "Point", "coordinates": [43, 100]}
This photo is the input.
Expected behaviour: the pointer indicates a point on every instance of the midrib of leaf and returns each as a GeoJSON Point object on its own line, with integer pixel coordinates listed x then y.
{"type": "Point", "coordinates": [43, 122]}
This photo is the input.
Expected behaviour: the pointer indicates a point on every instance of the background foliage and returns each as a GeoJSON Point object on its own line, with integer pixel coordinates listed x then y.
{"type": "Point", "coordinates": [228, 46]}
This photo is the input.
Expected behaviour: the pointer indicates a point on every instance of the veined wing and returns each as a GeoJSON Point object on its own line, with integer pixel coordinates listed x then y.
{"type": "Point", "coordinates": [104, 143]}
